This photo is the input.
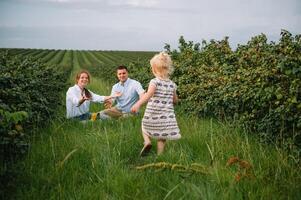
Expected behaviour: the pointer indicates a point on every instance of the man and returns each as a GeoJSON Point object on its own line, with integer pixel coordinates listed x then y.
{"type": "Point", "coordinates": [131, 90]}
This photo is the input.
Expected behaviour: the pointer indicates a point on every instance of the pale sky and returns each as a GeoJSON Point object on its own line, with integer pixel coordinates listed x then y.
{"type": "Point", "coordinates": [141, 24]}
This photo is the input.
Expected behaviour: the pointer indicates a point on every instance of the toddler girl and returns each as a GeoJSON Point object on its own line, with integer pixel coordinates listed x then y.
{"type": "Point", "coordinates": [159, 121]}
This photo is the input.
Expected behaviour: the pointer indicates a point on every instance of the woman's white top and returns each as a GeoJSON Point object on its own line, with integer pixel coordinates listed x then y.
{"type": "Point", "coordinates": [73, 97]}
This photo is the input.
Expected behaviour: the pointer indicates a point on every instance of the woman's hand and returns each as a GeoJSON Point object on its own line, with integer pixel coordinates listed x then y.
{"type": "Point", "coordinates": [117, 94]}
{"type": "Point", "coordinates": [82, 100]}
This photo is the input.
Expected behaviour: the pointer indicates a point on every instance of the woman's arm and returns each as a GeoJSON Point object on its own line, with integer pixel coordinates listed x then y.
{"type": "Point", "coordinates": [72, 97]}
{"type": "Point", "coordinates": [101, 99]}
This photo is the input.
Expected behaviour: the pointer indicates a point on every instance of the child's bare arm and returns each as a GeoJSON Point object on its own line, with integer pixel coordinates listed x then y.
{"type": "Point", "coordinates": [144, 98]}
{"type": "Point", "coordinates": [175, 98]}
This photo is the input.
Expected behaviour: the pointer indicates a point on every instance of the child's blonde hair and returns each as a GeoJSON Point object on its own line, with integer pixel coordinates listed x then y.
{"type": "Point", "coordinates": [161, 65]}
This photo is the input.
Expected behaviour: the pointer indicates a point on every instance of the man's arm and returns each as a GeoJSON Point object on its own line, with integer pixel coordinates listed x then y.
{"type": "Point", "coordinates": [140, 90]}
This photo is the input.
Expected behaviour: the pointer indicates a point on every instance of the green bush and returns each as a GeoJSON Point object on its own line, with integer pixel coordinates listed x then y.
{"type": "Point", "coordinates": [30, 93]}
{"type": "Point", "coordinates": [258, 85]}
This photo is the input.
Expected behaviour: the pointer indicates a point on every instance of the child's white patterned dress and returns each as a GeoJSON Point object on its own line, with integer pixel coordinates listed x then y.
{"type": "Point", "coordinates": [159, 119]}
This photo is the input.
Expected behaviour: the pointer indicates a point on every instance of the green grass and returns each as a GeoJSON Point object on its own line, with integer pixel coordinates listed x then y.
{"type": "Point", "coordinates": [98, 160]}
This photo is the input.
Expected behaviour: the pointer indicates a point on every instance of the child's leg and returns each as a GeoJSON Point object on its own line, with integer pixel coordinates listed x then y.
{"type": "Point", "coordinates": [160, 146]}
{"type": "Point", "coordinates": [147, 144]}
{"type": "Point", "coordinates": [146, 138]}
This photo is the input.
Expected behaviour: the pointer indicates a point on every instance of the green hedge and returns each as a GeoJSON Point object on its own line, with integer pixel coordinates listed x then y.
{"type": "Point", "coordinates": [258, 85]}
{"type": "Point", "coordinates": [30, 93]}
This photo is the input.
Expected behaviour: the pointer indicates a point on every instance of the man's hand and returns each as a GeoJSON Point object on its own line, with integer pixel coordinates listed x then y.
{"type": "Point", "coordinates": [108, 103]}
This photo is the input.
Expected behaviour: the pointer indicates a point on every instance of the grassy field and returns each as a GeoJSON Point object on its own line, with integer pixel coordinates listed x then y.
{"type": "Point", "coordinates": [100, 160]}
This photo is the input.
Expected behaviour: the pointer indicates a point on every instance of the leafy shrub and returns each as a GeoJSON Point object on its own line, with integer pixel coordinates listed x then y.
{"type": "Point", "coordinates": [29, 95]}
{"type": "Point", "coordinates": [141, 71]}
{"type": "Point", "coordinates": [258, 85]}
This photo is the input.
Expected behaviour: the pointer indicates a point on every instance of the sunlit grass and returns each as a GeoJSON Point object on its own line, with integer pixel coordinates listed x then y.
{"type": "Point", "coordinates": [98, 160]}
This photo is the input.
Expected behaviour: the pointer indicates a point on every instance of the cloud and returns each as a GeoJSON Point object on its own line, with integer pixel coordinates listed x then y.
{"type": "Point", "coordinates": [92, 38]}
{"type": "Point", "coordinates": [59, 1]}
{"type": "Point", "coordinates": [135, 3]}
{"type": "Point", "coordinates": [102, 3]}
{"type": "Point", "coordinates": [117, 23]}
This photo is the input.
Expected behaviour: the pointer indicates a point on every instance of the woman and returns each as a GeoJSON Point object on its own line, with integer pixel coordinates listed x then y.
{"type": "Point", "coordinates": [78, 98]}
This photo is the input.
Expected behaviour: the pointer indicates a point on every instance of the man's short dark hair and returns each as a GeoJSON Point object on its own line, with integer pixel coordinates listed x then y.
{"type": "Point", "coordinates": [122, 67]}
